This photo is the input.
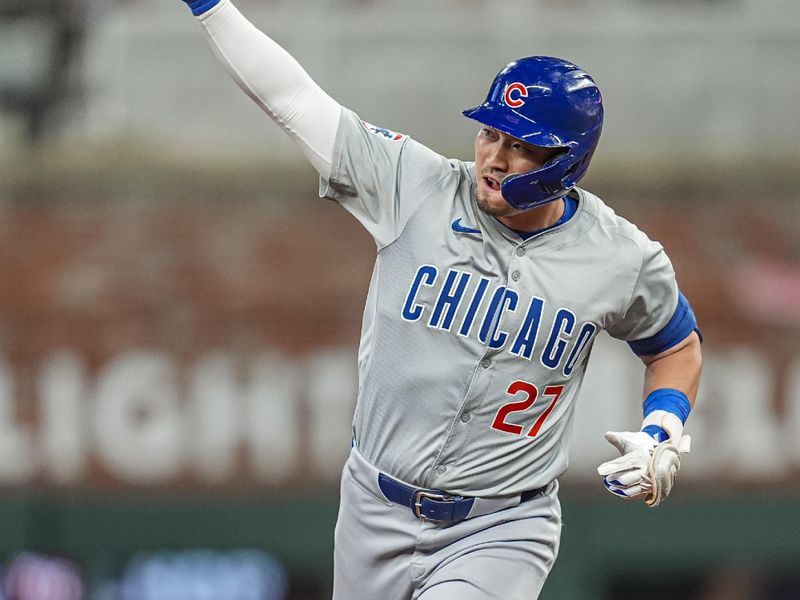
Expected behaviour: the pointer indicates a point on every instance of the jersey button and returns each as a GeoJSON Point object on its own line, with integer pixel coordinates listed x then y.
{"type": "Point", "coordinates": [441, 469]}
{"type": "Point", "coordinates": [485, 363]}
{"type": "Point", "coordinates": [515, 276]}
{"type": "Point", "coordinates": [520, 251]}
{"type": "Point", "coordinates": [465, 417]}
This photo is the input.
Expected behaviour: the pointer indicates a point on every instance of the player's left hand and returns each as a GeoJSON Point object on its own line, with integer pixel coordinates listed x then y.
{"type": "Point", "coordinates": [646, 470]}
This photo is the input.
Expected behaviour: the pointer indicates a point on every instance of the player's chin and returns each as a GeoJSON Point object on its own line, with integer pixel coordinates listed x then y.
{"type": "Point", "coordinates": [494, 204]}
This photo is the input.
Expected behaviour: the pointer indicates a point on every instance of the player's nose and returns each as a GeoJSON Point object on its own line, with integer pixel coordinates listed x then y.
{"type": "Point", "coordinates": [497, 157]}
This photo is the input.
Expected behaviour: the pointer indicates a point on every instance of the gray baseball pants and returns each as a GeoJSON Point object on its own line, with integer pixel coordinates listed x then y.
{"type": "Point", "coordinates": [384, 552]}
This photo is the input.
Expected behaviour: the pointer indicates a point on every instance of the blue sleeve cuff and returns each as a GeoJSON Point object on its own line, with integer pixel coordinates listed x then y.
{"type": "Point", "coordinates": [682, 323]}
{"type": "Point", "coordinates": [201, 6]}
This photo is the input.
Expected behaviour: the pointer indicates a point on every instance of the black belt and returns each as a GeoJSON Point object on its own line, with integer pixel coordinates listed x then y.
{"type": "Point", "coordinates": [435, 505]}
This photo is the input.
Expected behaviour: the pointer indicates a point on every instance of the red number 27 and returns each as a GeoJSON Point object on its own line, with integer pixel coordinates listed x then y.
{"type": "Point", "coordinates": [530, 393]}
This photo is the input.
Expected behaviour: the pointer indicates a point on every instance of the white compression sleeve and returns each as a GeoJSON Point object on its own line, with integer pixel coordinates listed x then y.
{"type": "Point", "coordinates": [276, 82]}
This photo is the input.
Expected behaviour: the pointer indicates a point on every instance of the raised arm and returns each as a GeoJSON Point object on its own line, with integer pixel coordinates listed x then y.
{"type": "Point", "coordinates": [273, 79]}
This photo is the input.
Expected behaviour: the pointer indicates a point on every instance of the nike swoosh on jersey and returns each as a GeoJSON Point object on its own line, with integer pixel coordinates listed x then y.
{"type": "Point", "coordinates": [459, 228]}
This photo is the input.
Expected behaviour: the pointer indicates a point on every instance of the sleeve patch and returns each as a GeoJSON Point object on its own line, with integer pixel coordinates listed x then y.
{"type": "Point", "coordinates": [383, 132]}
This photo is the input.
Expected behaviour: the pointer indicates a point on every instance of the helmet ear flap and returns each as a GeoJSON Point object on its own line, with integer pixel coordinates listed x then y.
{"type": "Point", "coordinates": [576, 172]}
{"type": "Point", "coordinates": [534, 188]}
{"type": "Point", "coordinates": [571, 171]}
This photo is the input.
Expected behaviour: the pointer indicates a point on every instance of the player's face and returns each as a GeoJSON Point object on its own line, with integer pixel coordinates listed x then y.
{"type": "Point", "coordinates": [498, 155]}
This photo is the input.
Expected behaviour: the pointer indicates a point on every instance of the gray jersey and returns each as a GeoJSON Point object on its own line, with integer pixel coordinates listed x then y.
{"type": "Point", "coordinates": [475, 341]}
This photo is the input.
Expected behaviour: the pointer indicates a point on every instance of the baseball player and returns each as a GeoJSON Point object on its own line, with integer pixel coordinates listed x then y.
{"type": "Point", "coordinates": [491, 283]}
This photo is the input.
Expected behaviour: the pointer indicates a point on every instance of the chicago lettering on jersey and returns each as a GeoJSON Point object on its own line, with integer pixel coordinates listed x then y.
{"type": "Point", "coordinates": [486, 310]}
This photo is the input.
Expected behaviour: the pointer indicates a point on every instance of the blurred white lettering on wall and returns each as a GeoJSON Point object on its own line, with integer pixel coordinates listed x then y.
{"type": "Point", "coordinates": [143, 418]}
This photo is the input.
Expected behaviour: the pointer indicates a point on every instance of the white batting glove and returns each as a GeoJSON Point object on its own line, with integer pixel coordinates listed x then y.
{"type": "Point", "coordinates": [627, 475]}
{"type": "Point", "coordinates": [663, 468]}
{"type": "Point", "coordinates": [650, 458]}
{"type": "Point", "coordinates": [647, 469]}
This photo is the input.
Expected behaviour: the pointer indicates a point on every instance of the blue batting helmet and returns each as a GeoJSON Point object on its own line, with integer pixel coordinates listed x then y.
{"type": "Point", "coordinates": [547, 102]}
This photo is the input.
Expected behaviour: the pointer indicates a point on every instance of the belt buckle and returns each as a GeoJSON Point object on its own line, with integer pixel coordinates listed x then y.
{"type": "Point", "coordinates": [419, 495]}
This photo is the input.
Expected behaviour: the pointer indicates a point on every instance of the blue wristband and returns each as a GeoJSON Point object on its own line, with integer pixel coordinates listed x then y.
{"type": "Point", "coordinates": [201, 6]}
{"type": "Point", "coordinates": [667, 399]}
{"type": "Point", "coordinates": [670, 400]}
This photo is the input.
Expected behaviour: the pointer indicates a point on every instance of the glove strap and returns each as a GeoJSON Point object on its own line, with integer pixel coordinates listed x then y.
{"type": "Point", "coordinates": [665, 413]}
{"type": "Point", "coordinates": [657, 432]}
{"type": "Point", "coordinates": [201, 6]}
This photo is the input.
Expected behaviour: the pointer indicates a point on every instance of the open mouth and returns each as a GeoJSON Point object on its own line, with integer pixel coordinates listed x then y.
{"type": "Point", "coordinates": [492, 184]}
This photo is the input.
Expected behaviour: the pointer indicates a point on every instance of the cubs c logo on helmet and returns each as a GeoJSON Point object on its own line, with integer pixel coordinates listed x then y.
{"type": "Point", "coordinates": [515, 92]}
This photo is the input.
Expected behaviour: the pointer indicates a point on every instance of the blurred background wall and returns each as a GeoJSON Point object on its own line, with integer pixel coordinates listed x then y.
{"type": "Point", "coordinates": [179, 312]}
